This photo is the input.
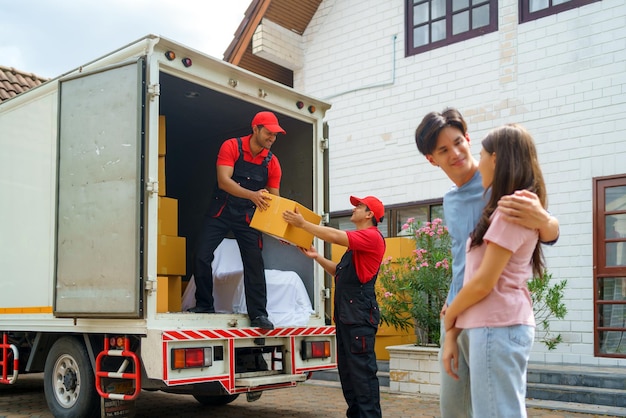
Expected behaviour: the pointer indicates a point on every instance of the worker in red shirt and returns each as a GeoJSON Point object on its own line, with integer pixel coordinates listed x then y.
{"type": "Point", "coordinates": [247, 171]}
{"type": "Point", "coordinates": [356, 311]}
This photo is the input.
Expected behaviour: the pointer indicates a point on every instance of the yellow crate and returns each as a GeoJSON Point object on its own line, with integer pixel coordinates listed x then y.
{"type": "Point", "coordinates": [171, 256]}
{"type": "Point", "coordinates": [168, 216]}
{"type": "Point", "coordinates": [161, 176]}
{"type": "Point", "coordinates": [169, 293]}
{"type": "Point", "coordinates": [162, 146]}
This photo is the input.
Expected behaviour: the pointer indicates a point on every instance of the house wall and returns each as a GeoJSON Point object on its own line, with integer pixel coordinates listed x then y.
{"type": "Point", "coordinates": [562, 76]}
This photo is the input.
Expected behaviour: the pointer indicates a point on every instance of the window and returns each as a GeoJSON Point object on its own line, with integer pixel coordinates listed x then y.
{"type": "Point", "coordinates": [535, 9]}
{"type": "Point", "coordinates": [421, 213]}
{"type": "Point", "coordinates": [431, 24]}
{"type": "Point", "coordinates": [609, 255]}
{"type": "Point", "coordinates": [395, 217]}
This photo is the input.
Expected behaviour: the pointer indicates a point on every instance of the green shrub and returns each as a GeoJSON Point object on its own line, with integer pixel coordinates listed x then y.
{"type": "Point", "coordinates": [412, 290]}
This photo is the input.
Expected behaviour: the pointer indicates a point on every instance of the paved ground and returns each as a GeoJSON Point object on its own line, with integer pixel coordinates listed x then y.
{"type": "Point", "coordinates": [309, 400]}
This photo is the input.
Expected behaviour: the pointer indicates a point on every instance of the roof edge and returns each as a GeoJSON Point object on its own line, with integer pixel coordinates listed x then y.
{"type": "Point", "coordinates": [243, 36]}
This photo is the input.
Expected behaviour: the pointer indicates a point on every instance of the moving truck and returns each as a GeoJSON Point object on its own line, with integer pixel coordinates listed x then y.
{"type": "Point", "coordinates": [105, 175]}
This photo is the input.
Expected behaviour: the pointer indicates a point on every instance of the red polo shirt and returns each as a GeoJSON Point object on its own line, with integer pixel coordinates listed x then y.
{"type": "Point", "coordinates": [229, 154]}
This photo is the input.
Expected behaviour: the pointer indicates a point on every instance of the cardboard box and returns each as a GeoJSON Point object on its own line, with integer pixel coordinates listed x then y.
{"type": "Point", "coordinates": [171, 256]}
{"type": "Point", "coordinates": [161, 178]}
{"type": "Point", "coordinates": [162, 145]}
{"type": "Point", "coordinates": [167, 216]}
{"type": "Point", "coordinates": [169, 293]}
{"type": "Point", "coordinates": [271, 222]}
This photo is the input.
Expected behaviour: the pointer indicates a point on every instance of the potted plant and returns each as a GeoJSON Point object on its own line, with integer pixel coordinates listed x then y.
{"type": "Point", "coordinates": [412, 290]}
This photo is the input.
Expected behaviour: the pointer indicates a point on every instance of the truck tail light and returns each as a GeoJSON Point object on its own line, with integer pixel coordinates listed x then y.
{"type": "Point", "coordinates": [116, 342]}
{"type": "Point", "coordinates": [315, 349]}
{"type": "Point", "coordinates": [189, 358]}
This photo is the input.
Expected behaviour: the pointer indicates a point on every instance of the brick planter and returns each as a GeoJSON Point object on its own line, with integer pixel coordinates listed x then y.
{"type": "Point", "coordinates": [413, 369]}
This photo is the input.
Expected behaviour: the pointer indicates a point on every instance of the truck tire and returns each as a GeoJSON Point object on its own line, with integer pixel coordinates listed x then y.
{"type": "Point", "coordinates": [215, 400]}
{"type": "Point", "coordinates": [69, 382]}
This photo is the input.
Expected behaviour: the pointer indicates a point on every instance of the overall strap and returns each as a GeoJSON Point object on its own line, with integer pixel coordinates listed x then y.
{"type": "Point", "coordinates": [266, 160]}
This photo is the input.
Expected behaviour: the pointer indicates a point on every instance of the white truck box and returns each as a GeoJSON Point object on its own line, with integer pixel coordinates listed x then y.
{"type": "Point", "coordinates": [80, 185]}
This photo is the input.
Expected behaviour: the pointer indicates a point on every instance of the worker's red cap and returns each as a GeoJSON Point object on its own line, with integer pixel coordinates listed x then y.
{"type": "Point", "coordinates": [269, 121]}
{"type": "Point", "coordinates": [373, 204]}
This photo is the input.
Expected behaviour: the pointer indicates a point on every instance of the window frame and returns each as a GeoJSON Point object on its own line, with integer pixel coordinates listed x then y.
{"type": "Point", "coordinates": [451, 39]}
{"type": "Point", "coordinates": [391, 214]}
{"type": "Point", "coordinates": [526, 16]}
{"type": "Point", "coordinates": [601, 270]}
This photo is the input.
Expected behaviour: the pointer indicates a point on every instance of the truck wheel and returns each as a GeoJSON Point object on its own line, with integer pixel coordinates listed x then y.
{"type": "Point", "coordinates": [215, 400]}
{"type": "Point", "coordinates": [69, 382]}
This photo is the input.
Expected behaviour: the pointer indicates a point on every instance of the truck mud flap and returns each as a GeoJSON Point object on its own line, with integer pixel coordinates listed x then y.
{"type": "Point", "coordinates": [5, 362]}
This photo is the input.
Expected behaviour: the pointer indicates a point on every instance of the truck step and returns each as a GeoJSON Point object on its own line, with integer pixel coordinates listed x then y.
{"type": "Point", "coordinates": [252, 382]}
{"type": "Point", "coordinates": [332, 375]}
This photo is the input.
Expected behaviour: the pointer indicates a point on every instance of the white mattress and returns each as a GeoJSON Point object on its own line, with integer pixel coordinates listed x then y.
{"type": "Point", "coordinates": [288, 303]}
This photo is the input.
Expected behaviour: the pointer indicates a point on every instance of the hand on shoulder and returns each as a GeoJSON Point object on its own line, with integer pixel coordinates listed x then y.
{"type": "Point", "coordinates": [524, 208]}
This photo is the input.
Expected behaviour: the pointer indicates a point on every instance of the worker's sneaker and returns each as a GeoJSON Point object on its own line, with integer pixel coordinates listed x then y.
{"type": "Point", "coordinates": [200, 309]}
{"type": "Point", "coordinates": [262, 322]}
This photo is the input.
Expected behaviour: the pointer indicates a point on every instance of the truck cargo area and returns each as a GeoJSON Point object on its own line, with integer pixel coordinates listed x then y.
{"type": "Point", "coordinates": [197, 121]}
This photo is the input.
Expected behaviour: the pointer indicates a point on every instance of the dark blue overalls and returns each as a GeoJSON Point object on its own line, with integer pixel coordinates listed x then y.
{"type": "Point", "coordinates": [230, 213]}
{"type": "Point", "coordinates": [356, 318]}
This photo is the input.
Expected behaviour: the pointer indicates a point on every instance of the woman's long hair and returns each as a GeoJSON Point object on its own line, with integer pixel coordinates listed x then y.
{"type": "Point", "coordinates": [516, 168]}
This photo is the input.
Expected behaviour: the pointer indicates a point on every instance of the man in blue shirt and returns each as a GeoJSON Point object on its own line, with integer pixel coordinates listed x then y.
{"type": "Point", "coordinates": [443, 139]}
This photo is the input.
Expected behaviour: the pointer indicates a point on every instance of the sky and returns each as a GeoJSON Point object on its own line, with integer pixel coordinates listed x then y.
{"type": "Point", "coordinates": [51, 37]}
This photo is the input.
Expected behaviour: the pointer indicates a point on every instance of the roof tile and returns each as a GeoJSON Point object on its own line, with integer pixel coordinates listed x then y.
{"type": "Point", "coordinates": [14, 82]}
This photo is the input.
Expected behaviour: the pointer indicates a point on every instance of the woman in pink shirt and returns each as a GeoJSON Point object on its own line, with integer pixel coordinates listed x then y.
{"type": "Point", "coordinates": [494, 305]}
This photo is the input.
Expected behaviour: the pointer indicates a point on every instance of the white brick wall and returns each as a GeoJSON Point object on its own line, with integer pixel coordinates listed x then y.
{"type": "Point", "coordinates": [562, 76]}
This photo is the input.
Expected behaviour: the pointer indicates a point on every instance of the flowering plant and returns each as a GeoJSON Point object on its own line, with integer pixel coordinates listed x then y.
{"type": "Point", "coordinates": [412, 290]}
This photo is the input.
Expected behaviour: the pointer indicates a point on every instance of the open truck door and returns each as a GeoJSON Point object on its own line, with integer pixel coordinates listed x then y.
{"type": "Point", "coordinates": [100, 193]}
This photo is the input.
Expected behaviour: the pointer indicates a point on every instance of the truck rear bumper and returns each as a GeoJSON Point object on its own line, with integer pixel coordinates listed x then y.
{"type": "Point", "coordinates": [240, 359]}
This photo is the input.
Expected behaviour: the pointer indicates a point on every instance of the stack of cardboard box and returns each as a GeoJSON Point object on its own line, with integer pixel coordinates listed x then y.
{"type": "Point", "coordinates": [171, 251]}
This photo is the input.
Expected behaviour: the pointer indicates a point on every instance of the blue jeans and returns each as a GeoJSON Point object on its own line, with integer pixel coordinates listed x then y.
{"type": "Point", "coordinates": [454, 395]}
{"type": "Point", "coordinates": [498, 362]}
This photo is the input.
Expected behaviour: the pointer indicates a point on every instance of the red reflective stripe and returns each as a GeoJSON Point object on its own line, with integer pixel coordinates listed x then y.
{"type": "Point", "coordinates": [235, 333]}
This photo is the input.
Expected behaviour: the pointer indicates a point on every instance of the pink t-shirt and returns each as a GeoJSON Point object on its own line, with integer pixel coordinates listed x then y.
{"type": "Point", "coordinates": [509, 302]}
